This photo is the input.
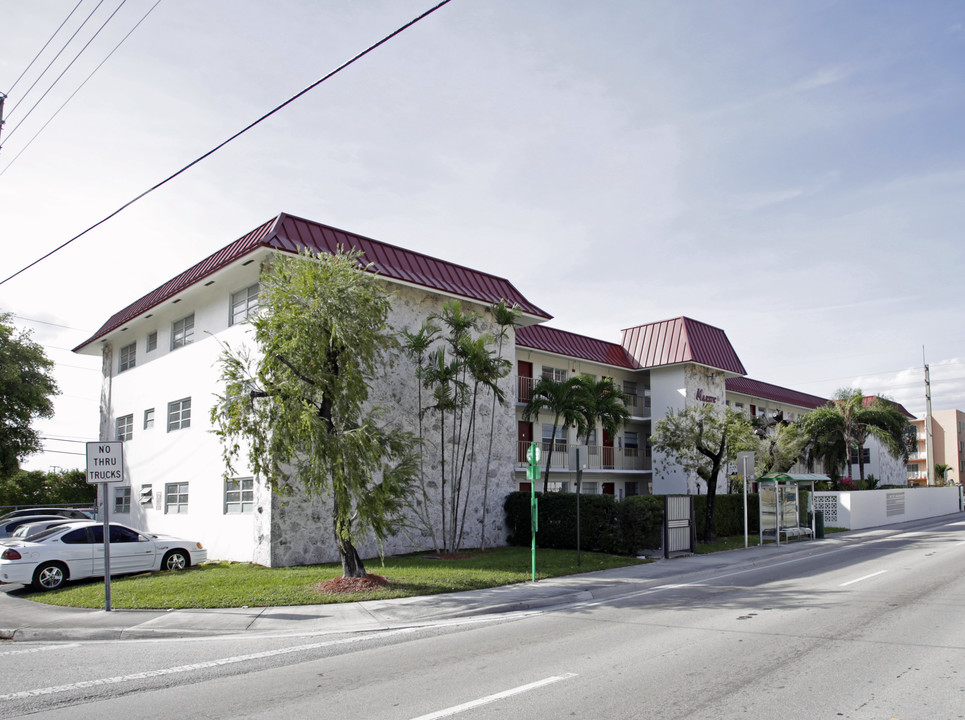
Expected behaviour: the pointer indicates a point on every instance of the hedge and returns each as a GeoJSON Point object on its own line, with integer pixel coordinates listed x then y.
{"type": "Point", "coordinates": [624, 527]}
{"type": "Point", "coordinates": [621, 528]}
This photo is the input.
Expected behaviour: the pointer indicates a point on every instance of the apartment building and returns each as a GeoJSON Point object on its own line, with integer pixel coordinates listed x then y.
{"type": "Point", "coordinates": [948, 445]}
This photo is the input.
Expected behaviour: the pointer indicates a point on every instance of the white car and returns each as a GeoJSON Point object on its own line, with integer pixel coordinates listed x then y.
{"type": "Point", "coordinates": [75, 550]}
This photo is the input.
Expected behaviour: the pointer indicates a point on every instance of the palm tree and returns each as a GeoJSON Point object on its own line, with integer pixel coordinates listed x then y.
{"type": "Point", "coordinates": [941, 469]}
{"type": "Point", "coordinates": [561, 399]}
{"type": "Point", "coordinates": [844, 424]}
{"type": "Point", "coordinates": [601, 402]}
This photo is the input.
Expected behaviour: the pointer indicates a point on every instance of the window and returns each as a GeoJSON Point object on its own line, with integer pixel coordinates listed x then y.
{"type": "Point", "coordinates": [558, 374]}
{"type": "Point", "coordinates": [121, 534]}
{"type": "Point", "coordinates": [122, 501]}
{"type": "Point", "coordinates": [631, 443]}
{"type": "Point", "coordinates": [243, 304]}
{"type": "Point", "coordinates": [176, 498]}
{"type": "Point", "coordinates": [629, 387]}
{"type": "Point", "coordinates": [147, 494]}
{"type": "Point", "coordinates": [239, 495]}
{"type": "Point", "coordinates": [865, 455]}
{"type": "Point", "coordinates": [151, 341]}
{"type": "Point", "coordinates": [182, 332]}
{"type": "Point", "coordinates": [590, 488]}
{"type": "Point", "coordinates": [149, 418]}
{"type": "Point", "coordinates": [125, 427]}
{"type": "Point", "coordinates": [179, 414]}
{"type": "Point", "coordinates": [127, 356]}
{"type": "Point", "coordinates": [560, 445]}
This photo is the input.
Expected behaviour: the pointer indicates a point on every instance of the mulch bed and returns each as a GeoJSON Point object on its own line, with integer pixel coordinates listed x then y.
{"type": "Point", "coordinates": [352, 585]}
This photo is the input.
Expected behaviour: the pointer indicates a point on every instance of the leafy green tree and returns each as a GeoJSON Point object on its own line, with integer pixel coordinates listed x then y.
{"type": "Point", "coordinates": [561, 400]}
{"type": "Point", "coordinates": [780, 444]}
{"type": "Point", "coordinates": [302, 405]}
{"type": "Point", "coordinates": [844, 425]}
{"type": "Point", "coordinates": [35, 487]}
{"type": "Point", "coordinates": [26, 391]}
{"type": "Point", "coordinates": [702, 439]}
{"type": "Point", "coordinates": [941, 469]}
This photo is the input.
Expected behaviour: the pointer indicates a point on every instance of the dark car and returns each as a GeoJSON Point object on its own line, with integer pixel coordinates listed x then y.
{"type": "Point", "coordinates": [9, 526]}
{"type": "Point", "coordinates": [72, 513]}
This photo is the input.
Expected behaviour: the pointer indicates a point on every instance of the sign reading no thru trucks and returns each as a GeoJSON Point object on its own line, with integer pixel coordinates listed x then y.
{"type": "Point", "coordinates": [105, 462]}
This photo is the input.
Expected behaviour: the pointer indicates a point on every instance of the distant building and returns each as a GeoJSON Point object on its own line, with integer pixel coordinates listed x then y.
{"type": "Point", "coordinates": [948, 443]}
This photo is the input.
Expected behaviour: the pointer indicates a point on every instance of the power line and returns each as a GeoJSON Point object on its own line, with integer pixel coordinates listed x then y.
{"type": "Point", "coordinates": [64, 71]}
{"type": "Point", "coordinates": [69, 40]}
{"type": "Point", "coordinates": [79, 87]}
{"type": "Point", "coordinates": [230, 139]}
{"type": "Point", "coordinates": [40, 52]}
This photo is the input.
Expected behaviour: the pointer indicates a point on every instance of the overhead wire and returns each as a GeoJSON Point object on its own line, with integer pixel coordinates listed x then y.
{"type": "Point", "coordinates": [79, 87]}
{"type": "Point", "coordinates": [64, 71]}
{"type": "Point", "coordinates": [69, 40]}
{"type": "Point", "coordinates": [40, 52]}
{"type": "Point", "coordinates": [238, 134]}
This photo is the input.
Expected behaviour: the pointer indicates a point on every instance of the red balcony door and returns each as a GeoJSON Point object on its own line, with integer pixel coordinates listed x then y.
{"type": "Point", "coordinates": [607, 450]}
{"type": "Point", "coordinates": [609, 489]}
{"type": "Point", "coordinates": [525, 436]}
{"type": "Point", "coordinates": [524, 381]}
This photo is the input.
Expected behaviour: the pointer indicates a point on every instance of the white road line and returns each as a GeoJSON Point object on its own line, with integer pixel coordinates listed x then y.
{"type": "Point", "coordinates": [493, 698]}
{"type": "Point", "coordinates": [29, 651]}
{"type": "Point", "coordinates": [852, 582]}
{"type": "Point", "coordinates": [161, 672]}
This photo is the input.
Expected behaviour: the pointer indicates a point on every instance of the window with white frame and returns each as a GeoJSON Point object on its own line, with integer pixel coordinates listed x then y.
{"type": "Point", "coordinates": [631, 443]}
{"type": "Point", "coordinates": [865, 455]}
{"type": "Point", "coordinates": [560, 444]}
{"type": "Point", "coordinates": [243, 304]}
{"type": "Point", "coordinates": [239, 495]}
{"type": "Point", "coordinates": [126, 357]}
{"type": "Point", "coordinates": [179, 414]}
{"type": "Point", "coordinates": [149, 418]}
{"type": "Point", "coordinates": [182, 332]}
{"type": "Point", "coordinates": [176, 498]}
{"type": "Point", "coordinates": [125, 427]}
{"type": "Point", "coordinates": [590, 488]}
{"type": "Point", "coordinates": [122, 499]}
{"type": "Point", "coordinates": [146, 495]}
{"type": "Point", "coordinates": [151, 343]}
{"type": "Point", "coordinates": [557, 374]}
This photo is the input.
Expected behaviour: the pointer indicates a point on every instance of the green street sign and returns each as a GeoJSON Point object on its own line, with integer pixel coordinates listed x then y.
{"type": "Point", "coordinates": [532, 472]}
{"type": "Point", "coordinates": [534, 454]}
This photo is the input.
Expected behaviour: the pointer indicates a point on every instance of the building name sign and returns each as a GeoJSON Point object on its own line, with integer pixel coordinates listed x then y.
{"type": "Point", "coordinates": [705, 398]}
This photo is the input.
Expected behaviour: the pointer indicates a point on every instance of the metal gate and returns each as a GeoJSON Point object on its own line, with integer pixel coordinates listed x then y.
{"type": "Point", "coordinates": [679, 529]}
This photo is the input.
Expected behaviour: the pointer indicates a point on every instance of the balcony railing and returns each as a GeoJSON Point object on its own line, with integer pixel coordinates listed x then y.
{"type": "Point", "coordinates": [638, 405]}
{"type": "Point", "coordinates": [600, 457]}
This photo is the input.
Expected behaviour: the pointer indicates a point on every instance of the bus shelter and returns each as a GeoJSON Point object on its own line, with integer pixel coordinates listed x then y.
{"type": "Point", "coordinates": [780, 505]}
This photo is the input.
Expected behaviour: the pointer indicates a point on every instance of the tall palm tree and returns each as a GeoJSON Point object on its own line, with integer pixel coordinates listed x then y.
{"type": "Point", "coordinates": [561, 400]}
{"type": "Point", "coordinates": [848, 421]}
{"type": "Point", "coordinates": [601, 402]}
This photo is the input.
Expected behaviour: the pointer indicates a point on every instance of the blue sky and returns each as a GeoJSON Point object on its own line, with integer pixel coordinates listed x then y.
{"type": "Point", "coordinates": [791, 172]}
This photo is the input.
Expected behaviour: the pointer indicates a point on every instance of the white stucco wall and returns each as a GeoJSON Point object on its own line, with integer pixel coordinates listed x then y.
{"type": "Point", "coordinates": [874, 508]}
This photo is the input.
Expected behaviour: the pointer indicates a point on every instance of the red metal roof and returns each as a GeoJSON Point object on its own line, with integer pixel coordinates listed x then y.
{"type": "Point", "coordinates": [766, 391]}
{"type": "Point", "coordinates": [868, 399]}
{"type": "Point", "coordinates": [289, 234]}
{"type": "Point", "coordinates": [547, 339]}
{"type": "Point", "coordinates": [681, 340]}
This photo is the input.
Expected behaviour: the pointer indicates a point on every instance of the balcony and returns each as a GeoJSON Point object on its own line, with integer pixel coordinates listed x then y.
{"type": "Point", "coordinates": [601, 457]}
{"type": "Point", "coordinates": [638, 405]}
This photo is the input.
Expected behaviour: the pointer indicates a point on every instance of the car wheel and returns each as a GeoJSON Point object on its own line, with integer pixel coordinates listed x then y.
{"type": "Point", "coordinates": [50, 576]}
{"type": "Point", "coordinates": [175, 560]}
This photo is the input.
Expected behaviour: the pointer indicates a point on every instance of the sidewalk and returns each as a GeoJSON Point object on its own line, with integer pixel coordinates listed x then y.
{"type": "Point", "coordinates": [25, 620]}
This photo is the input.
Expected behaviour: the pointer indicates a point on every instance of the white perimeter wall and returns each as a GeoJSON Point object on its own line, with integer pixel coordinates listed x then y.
{"type": "Point", "coordinates": [873, 508]}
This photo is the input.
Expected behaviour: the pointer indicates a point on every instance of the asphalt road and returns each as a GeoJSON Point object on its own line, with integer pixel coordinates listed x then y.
{"type": "Point", "coordinates": [869, 629]}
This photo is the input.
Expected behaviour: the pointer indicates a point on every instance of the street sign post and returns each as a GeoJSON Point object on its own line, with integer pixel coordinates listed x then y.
{"type": "Point", "coordinates": [105, 465]}
{"type": "Point", "coordinates": [745, 463]}
{"type": "Point", "coordinates": [533, 456]}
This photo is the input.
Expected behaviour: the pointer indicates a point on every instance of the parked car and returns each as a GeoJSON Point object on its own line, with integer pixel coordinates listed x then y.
{"type": "Point", "coordinates": [75, 550]}
{"type": "Point", "coordinates": [74, 513]}
{"type": "Point", "coordinates": [8, 527]}
{"type": "Point", "coordinates": [32, 528]}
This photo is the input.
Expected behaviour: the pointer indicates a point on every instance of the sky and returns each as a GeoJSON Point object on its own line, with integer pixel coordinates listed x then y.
{"type": "Point", "coordinates": [792, 172]}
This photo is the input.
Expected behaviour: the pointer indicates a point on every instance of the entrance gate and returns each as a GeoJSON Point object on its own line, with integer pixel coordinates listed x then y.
{"type": "Point", "coordinates": [679, 528]}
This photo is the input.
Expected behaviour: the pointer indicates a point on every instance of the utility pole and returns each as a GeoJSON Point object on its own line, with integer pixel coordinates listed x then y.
{"type": "Point", "coordinates": [929, 440]}
{"type": "Point", "coordinates": [2, 98]}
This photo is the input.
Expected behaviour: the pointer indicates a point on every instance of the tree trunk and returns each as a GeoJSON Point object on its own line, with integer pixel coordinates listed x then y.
{"type": "Point", "coordinates": [352, 565]}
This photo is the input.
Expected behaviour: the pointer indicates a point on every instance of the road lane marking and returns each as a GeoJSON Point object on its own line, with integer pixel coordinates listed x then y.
{"type": "Point", "coordinates": [161, 672]}
{"type": "Point", "coordinates": [857, 580]}
{"type": "Point", "coordinates": [455, 709]}
{"type": "Point", "coordinates": [29, 651]}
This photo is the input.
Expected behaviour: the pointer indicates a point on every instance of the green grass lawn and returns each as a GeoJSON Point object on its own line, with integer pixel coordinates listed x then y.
{"type": "Point", "coordinates": [223, 585]}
